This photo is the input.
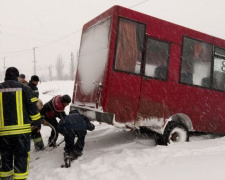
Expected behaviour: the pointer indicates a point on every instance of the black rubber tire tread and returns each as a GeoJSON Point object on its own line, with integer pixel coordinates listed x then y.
{"type": "Point", "coordinates": [159, 139]}
{"type": "Point", "coordinates": [170, 126]}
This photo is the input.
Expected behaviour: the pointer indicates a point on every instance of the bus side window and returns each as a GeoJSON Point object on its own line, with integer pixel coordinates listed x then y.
{"type": "Point", "coordinates": [219, 70]}
{"type": "Point", "coordinates": [157, 59]}
{"type": "Point", "coordinates": [161, 72]}
{"type": "Point", "coordinates": [187, 77]}
{"type": "Point", "coordinates": [196, 63]}
{"type": "Point", "coordinates": [130, 43]}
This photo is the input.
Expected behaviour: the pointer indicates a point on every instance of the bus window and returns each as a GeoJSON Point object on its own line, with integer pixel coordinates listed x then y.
{"type": "Point", "coordinates": [130, 43]}
{"type": "Point", "coordinates": [157, 59]}
{"type": "Point", "coordinates": [219, 70]}
{"type": "Point", "coordinates": [196, 62]}
{"type": "Point", "coordinates": [219, 52]}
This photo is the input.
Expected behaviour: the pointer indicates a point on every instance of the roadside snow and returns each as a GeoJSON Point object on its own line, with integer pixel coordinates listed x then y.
{"type": "Point", "coordinates": [112, 154]}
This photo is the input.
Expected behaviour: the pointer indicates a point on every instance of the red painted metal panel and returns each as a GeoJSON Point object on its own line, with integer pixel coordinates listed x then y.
{"type": "Point", "coordinates": [127, 94]}
{"type": "Point", "coordinates": [93, 96]}
{"type": "Point", "coordinates": [124, 96]}
{"type": "Point", "coordinates": [109, 71]}
{"type": "Point", "coordinates": [219, 42]}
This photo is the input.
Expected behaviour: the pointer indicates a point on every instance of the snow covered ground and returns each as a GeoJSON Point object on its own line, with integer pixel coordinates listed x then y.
{"type": "Point", "coordinates": [113, 154]}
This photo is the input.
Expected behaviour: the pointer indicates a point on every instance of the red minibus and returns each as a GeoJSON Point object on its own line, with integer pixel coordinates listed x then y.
{"type": "Point", "coordinates": [135, 70]}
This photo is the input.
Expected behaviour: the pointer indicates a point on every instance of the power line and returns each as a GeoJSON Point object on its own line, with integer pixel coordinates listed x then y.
{"type": "Point", "coordinates": [61, 37]}
{"type": "Point", "coordinates": [44, 44]}
{"type": "Point", "coordinates": [139, 3]}
{"type": "Point", "coordinates": [26, 50]}
{"type": "Point", "coordinates": [18, 54]}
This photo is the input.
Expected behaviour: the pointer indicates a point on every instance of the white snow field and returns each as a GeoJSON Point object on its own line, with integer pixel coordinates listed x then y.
{"type": "Point", "coordinates": [114, 154]}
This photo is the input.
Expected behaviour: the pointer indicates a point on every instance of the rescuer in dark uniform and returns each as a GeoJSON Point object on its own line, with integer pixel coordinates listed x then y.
{"type": "Point", "coordinates": [33, 84]}
{"type": "Point", "coordinates": [71, 126]}
{"type": "Point", "coordinates": [17, 109]}
{"type": "Point", "coordinates": [22, 79]}
{"type": "Point", "coordinates": [35, 134]}
{"type": "Point", "coordinates": [53, 109]}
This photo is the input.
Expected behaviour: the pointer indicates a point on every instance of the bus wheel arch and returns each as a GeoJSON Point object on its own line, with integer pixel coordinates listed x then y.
{"type": "Point", "coordinates": [176, 130]}
{"type": "Point", "coordinates": [181, 118]}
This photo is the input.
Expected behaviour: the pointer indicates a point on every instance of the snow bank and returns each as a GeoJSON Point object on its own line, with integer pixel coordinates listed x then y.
{"type": "Point", "coordinates": [111, 154]}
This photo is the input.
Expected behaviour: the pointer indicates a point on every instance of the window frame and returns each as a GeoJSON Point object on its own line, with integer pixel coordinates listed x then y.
{"type": "Point", "coordinates": [116, 42]}
{"type": "Point", "coordinates": [213, 55]}
{"type": "Point", "coordinates": [216, 56]}
{"type": "Point", "coordinates": [211, 61]}
{"type": "Point", "coordinates": [145, 60]}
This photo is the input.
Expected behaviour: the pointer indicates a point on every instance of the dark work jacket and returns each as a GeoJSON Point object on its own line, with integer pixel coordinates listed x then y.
{"type": "Point", "coordinates": [17, 108]}
{"type": "Point", "coordinates": [76, 122]}
{"type": "Point", "coordinates": [34, 88]}
{"type": "Point", "coordinates": [54, 108]}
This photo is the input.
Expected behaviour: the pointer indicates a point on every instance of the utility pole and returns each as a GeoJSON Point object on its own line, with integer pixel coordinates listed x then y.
{"type": "Point", "coordinates": [34, 62]}
{"type": "Point", "coordinates": [72, 67]}
{"type": "Point", "coordinates": [50, 73]}
{"type": "Point", "coordinates": [4, 65]}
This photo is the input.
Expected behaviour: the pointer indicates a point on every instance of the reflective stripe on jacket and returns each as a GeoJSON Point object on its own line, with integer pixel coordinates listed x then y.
{"type": "Point", "coordinates": [17, 108]}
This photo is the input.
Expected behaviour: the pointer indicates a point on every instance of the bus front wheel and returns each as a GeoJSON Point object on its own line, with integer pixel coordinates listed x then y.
{"type": "Point", "coordinates": [175, 132]}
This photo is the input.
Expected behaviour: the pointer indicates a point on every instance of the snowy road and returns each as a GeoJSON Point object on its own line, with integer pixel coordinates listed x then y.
{"type": "Point", "coordinates": [112, 154]}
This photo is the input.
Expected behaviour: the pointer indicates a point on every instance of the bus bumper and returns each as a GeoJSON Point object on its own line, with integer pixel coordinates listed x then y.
{"type": "Point", "coordinates": [95, 114]}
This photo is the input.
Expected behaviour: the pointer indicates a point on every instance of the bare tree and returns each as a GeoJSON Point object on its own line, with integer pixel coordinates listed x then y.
{"type": "Point", "coordinates": [59, 67]}
{"type": "Point", "coordinates": [72, 67]}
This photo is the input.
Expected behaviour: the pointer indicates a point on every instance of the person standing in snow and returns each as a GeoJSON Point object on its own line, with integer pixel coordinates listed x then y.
{"type": "Point", "coordinates": [17, 108]}
{"type": "Point", "coordinates": [35, 134]}
{"type": "Point", "coordinates": [71, 126]}
{"type": "Point", "coordinates": [53, 109]}
{"type": "Point", "coordinates": [22, 79]}
{"type": "Point", "coordinates": [33, 84]}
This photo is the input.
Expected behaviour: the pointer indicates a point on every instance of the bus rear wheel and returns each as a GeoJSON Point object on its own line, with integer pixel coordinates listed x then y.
{"type": "Point", "coordinates": [175, 132]}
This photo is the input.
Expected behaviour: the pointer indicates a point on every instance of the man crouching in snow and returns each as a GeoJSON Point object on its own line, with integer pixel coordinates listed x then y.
{"type": "Point", "coordinates": [74, 124]}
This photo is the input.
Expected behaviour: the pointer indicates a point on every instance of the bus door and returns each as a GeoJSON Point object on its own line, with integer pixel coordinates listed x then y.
{"type": "Point", "coordinates": [154, 83]}
{"type": "Point", "coordinates": [126, 79]}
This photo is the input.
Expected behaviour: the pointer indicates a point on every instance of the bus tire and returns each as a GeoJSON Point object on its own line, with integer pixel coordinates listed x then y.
{"type": "Point", "coordinates": [175, 132]}
{"type": "Point", "coordinates": [159, 139]}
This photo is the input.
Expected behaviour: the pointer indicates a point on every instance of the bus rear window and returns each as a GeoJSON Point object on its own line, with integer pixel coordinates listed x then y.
{"type": "Point", "coordinates": [93, 55]}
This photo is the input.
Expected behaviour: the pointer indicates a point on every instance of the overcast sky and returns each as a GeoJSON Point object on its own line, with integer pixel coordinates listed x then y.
{"type": "Point", "coordinates": [53, 27]}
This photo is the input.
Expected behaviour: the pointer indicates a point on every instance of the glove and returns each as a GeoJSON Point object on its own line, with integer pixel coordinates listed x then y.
{"type": "Point", "coordinates": [36, 124]}
{"type": "Point", "coordinates": [90, 126]}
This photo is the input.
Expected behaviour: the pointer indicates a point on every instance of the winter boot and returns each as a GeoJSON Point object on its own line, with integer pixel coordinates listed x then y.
{"type": "Point", "coordinates": [39, 145]}
{"type": "Point", "coordinates": [37, 139]}
{"type": "Point", "coordinates": [68, 157]}
{"type": "Point", "coordinates": [77, 154]}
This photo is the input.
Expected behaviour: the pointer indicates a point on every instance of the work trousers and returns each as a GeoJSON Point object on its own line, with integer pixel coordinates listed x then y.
{"type": "Point", "coordinates": [15, 155]}
{"type": "Point", "coordinates": [72, 146]}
